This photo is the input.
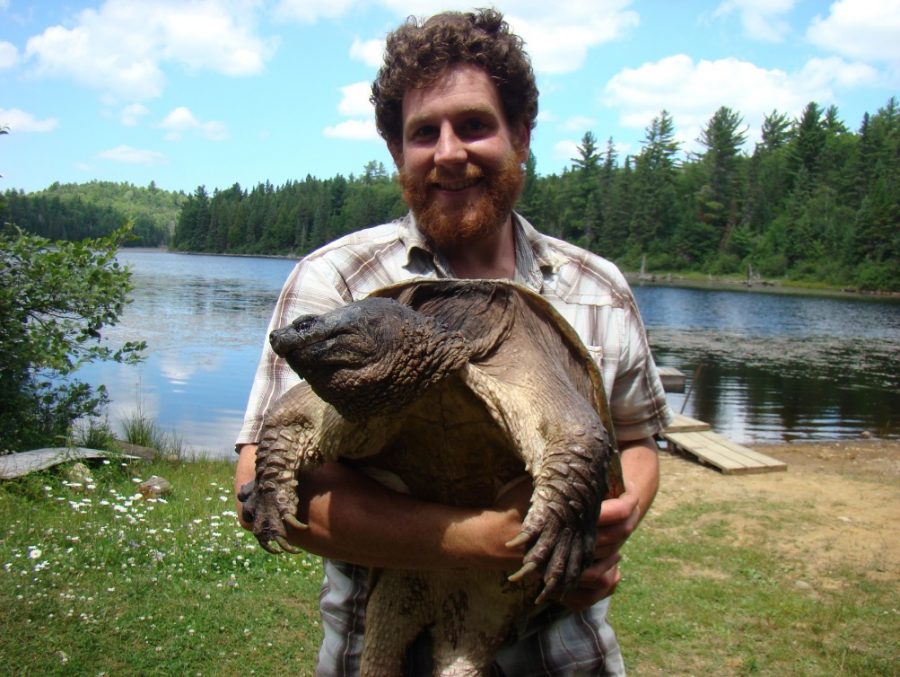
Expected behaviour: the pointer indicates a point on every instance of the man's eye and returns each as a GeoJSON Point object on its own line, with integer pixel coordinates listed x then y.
{"type": "Point", "coordinates": [427, 132]}
{"type": "Point", "coordinates": [474, 126]}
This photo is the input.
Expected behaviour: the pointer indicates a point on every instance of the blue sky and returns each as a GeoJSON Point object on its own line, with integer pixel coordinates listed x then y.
{"type": "Point", "coordinates": [191, 92]}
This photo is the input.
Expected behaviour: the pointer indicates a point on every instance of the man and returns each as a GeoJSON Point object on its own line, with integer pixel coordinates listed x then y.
{"type": "Point", "coordinates": [456, 102]}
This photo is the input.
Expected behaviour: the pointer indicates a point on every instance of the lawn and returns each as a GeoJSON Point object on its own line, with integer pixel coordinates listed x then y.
{"type": "Point", "coordinates": [107, 582]}
{"type": "Point", "coordinates": [102, 581]}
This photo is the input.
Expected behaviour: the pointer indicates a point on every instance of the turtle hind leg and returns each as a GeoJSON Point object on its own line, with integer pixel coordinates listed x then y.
{"type": "Point", "coordinates": [476, 616]}
{"type": "Point", "coordinates": [401, 604]}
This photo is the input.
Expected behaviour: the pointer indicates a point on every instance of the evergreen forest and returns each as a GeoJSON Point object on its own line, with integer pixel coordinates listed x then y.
{"type": "Point", "coordinates": [815, 201]}
{"type": "Point", "coordinates": [75, 212]}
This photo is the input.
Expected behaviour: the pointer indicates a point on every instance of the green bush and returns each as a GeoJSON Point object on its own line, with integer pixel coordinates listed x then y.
{"type": "Point", "coordinates": [55, 300]}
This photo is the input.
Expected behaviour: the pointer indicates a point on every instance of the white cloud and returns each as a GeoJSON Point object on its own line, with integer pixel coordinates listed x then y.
{"type": "Point", "coordinates": [558, 35]}
{"type": "Point", "coordinates": [131, 114]}
{"type": "Point", "coordinates": [121, 48]}
{"type": "Point", "coordinates": [761, 19]}
{"type": "Point", "coordinates": [822, 75]}
{"type": "Point", "coordinates": [546, 116]}
{"type": "Point", "coordinates": [355, 101]}
{"type": "Point", "coordinates": [565, 150]}
{"type": "Point", "coordinates": [692, 91]}
{"type": "Point", "coordinates": [868, 30]}
{"type": "Point", "coordinates": [370, 52]}
{"type": "Point", "coordinates": [182, 120]}
{"type": "Point", "coordinates": [310, 11]}
{"type": "Point", "coordinates": [9, 55]}
{"type": "Point", "coordinates": [20, 121]}
{"type": "Point", "coordinates": [579, 123]}
{"type": "Point", "coordinates": [355, 105]}
{"type": "Point", "coordinates": [132, 156]}
{"type": "Point", "coordinates": [355, 130]}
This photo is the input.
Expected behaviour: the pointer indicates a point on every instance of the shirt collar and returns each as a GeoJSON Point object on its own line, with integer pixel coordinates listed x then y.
{"type": "Point", "coordinates": [534, 258]}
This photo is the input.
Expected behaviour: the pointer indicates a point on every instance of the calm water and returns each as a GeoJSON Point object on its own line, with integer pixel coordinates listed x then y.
{"type": "Point", "coordinates": [760, 366]}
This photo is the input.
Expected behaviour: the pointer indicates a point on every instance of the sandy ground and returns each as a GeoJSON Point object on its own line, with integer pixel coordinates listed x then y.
{"type": "Point", "coordinates": [839, 500]}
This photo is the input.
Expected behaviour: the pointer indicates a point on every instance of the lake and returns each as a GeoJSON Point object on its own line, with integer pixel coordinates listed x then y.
{"type": "Point", "coordinates": [761, 366]}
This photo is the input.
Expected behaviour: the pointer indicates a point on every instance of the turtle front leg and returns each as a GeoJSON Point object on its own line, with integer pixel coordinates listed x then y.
{"type": "Point", "coordinates": [570, 480]}
{"type": "Point", "coordinates": [288, 443]}
{"type": "Point", "coordinates": [270, 501]}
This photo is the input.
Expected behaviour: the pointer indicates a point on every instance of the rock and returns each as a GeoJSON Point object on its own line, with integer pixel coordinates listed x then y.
{"type": "Point", "coordinates": [78, 476]}
{"type": "Point", "coordinates": [154, 487]}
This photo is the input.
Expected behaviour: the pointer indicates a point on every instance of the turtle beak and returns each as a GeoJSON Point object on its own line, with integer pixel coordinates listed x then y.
{"type": "Point", "coordinates": [305, 331]}
{"type": "Point", "coordinates": [335, 337]}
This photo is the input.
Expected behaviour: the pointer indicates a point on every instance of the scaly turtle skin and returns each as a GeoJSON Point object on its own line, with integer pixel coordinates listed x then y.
{"type": "Point", "coordinates": [459, 388]}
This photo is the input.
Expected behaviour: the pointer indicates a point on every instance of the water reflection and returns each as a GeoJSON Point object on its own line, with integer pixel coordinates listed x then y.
{"type": "Point", "coordinates": [760, 367]}
{"type": "Point", "coordinates": [765, 367]}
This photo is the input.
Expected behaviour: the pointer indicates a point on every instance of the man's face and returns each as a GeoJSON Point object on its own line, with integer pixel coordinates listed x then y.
{"type": "Point", "coordinates": [459, 161]}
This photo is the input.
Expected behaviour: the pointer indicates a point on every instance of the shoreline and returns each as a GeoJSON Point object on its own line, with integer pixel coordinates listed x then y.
{"type": "Point", "coordinates": [636, 279]}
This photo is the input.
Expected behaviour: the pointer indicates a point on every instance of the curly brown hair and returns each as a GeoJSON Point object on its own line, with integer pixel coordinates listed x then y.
{"type": "Point", "coordinates": [417, 53]}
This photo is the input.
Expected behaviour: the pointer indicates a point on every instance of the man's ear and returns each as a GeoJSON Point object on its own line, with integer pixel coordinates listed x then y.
{"type": "Point", "coordinates": [396, 150]}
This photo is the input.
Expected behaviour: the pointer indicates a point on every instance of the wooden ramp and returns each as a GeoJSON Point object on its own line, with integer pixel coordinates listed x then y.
{"type": "Point", "coordinates": [686, 424]}
{"type": "Point", "coordinates": [718, 451]}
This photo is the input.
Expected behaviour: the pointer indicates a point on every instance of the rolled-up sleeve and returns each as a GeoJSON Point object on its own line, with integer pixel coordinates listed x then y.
{"type": "Point", "coordinates": [313, 287]}
{"type": "Point", "coordinates": [637, 399]}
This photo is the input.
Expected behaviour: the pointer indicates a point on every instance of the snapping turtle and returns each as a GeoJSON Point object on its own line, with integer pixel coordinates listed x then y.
{"type": "Point", "coordinates": [459, 388]}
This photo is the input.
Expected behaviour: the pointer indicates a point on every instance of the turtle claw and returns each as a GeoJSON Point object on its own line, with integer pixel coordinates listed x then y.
{"type": "Point", "coordinates": [526, 569]}
{"type": "Point", "coordinates": [286, 546]}
{"type": "Point", "coordinates": [521, 539]}
{"type": "Point", "coordinates": [268, 547]}
{"type": "Point", "coordinates": [294, 522]}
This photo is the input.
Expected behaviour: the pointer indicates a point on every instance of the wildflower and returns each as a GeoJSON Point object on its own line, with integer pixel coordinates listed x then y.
{"type": "Point", "coordinates": [34, 552]}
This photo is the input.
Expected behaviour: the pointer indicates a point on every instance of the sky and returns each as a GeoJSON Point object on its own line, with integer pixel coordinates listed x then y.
{"type": "Point", "coordinates": [212, 92]}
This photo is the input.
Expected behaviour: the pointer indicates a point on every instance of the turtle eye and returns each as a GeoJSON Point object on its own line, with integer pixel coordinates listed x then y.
{"type": "Point", "coordinates": [303, 323]}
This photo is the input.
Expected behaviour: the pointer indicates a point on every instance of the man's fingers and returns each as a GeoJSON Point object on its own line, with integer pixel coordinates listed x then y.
{"type": "Point", "coordinates": [597, 582]}
{"type": "Point", "coordinates": [619, 509]}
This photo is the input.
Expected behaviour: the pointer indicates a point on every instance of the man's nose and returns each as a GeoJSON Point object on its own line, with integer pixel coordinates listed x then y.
{"type": "Point", "coordinates": [450, 148]}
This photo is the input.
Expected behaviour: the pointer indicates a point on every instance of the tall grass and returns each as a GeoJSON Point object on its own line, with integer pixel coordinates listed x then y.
{"type": "Point", "coordinates": [144, 432]}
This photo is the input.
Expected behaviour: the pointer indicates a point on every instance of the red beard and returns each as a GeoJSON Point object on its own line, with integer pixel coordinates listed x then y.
{"type": "Point", "coordinates": [451, 229]}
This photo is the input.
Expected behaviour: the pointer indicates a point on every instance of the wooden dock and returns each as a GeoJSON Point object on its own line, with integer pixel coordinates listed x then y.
{"type": "Point", "coordinates": [672, 379]}
{"type": "Point", "coordinates": [695, 438]}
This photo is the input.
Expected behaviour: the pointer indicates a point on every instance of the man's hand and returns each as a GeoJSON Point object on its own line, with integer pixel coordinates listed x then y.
{"type": "Point", "coordinates": [244, 471]}
{"type": "Point", "coordinates": [618, 519]}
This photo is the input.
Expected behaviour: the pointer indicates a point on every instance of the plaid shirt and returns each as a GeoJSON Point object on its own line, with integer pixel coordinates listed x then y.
{"type": "Point", "coordinates": [592, 295]}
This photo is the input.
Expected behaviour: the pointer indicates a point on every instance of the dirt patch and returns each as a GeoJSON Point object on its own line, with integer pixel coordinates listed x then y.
{"type": "Point", "coordinates": [836, 508]}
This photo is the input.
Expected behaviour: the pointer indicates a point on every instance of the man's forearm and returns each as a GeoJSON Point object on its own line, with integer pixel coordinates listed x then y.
{"type": "Point", "coordinates": [640, 468]}
{"type": "Point", "coordinates": [355, 519]}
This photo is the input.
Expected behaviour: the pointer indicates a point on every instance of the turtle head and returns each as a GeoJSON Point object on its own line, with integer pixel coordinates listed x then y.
{"type": "Point", "coordinates": [371, 356]}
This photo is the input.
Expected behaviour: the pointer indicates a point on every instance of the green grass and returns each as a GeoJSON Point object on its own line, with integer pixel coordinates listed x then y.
{"type": "Point", "coordinates": [106, 582]}
{"type": "Point", "coordinates": [103, 582]}
{"type": "Point", "coordinates": [696, 601]}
